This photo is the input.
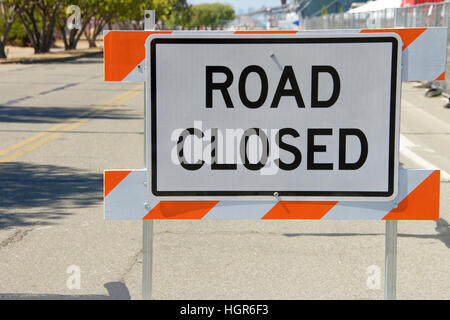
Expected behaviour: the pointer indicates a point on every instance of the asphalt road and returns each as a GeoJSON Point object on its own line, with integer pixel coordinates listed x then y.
{"type": "Point", "coordinates": [61, 126]}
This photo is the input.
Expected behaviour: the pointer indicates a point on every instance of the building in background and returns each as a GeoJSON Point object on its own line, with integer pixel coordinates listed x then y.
{"type": "Point", "coordinates": [319, 7]}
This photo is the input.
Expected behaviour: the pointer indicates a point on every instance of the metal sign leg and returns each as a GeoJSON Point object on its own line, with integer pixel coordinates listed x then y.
{"type": "Point", "coordinates": [147, 254]}
{"type": "Point", "coordinates": [391, 260]}
{"type": "Point", "coordinates": [147, 225]}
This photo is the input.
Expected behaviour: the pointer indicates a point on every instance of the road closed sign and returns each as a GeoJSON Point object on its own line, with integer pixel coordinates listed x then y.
{"type": "Point", "coordinates": [262, 116]}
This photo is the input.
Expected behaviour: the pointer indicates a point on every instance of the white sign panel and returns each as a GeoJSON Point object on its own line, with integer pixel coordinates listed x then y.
{"type": "Point", "coordinates": [258, 116]}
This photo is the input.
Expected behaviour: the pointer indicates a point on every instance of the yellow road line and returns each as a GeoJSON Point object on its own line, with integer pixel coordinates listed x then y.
{"type": "Point", "coordinates": [60, 125]}
{"type": "Point", "coordinates": [66, 129]}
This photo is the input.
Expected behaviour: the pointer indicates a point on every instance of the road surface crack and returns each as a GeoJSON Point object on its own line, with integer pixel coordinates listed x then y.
{"type": "Point", "coordinates": [134, 260]}
{"type": "Point", "coordinates": [14, 238]}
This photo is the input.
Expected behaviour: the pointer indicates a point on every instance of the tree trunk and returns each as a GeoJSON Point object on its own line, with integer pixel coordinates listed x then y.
{"type": "Point", "coordinates": [31, 30]}
{"type": "Point", "coordinates": [97, 31]}
{"type": "Point", "coordinates": [40, 39]}
{"type": "Point", "coordinates": [8, 26]}
{"type": "Point", "coordinates": [72, 39]}
{"type": "Point", "coordinates": [92, 43]}
{"type": "Point", "coordinates": [87, 34]}
{"type": "Point", "coordinates": [2, 51]}
{"type": "Point", "coordinates": [64, 35]}
{"type": "Point", "coordinates": [70, 42]}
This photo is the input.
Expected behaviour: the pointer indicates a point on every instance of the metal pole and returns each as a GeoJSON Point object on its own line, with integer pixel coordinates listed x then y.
{"type": "Point", "coordinates": [147, 226]}
{"type": "Point", "coordinates": [395, 17]}
{"type": "Point", "coordinates": [390, 260]}
{"type": "Point", "coordinates": [147, 253]}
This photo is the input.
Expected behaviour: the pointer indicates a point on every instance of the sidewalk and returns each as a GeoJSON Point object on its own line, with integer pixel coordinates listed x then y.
{"type": "Point", "coordinates": [57, 53]}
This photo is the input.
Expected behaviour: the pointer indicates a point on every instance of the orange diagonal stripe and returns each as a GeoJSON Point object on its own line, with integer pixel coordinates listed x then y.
{"type": "Point", "coordinates": [421, 204]}
{"type": "Point", "coordinates": [300, 210]}
{"type": "Point", "coordinates": [123, 51]}
{"type": "Point", "coordinates": [112, 178]}
{"type": "Point", "coordinates": [441, 77]}
{"type": "Point", "coordinates": [408, 35]}
{"type": "Point", "coordinates": [181, 210]}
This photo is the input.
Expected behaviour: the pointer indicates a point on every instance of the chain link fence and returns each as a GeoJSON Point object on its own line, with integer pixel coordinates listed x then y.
{"type": "Point", "coordinates": [424, 15]}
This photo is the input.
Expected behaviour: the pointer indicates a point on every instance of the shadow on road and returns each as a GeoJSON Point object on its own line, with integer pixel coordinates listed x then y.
{"type": "Point", "coordinates": [27, 114]}
{"type": "Point", "coordinates": [116, 291]}
{"type": "Point", "coordinates": [442, 228]}
{"type": "Point", "coordinates": [95, 58]}
{"type": "Point", "coordinates": [33, 194]}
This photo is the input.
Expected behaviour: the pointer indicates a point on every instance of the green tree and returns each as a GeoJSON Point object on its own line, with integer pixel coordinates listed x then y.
{"type": "Point", "coordinates": [134, 13]}
{"type": "Point", "coordinates": [222, 14]}
{"type": "Point", "coordinates": [8, 16]}
{"type": "Point", "coordinates": [181, 15]}
{"type": "Point", "coordinates": [212, 15]}
{"type": "Point", "coordinates": [39, 19]}
{"type": "Point", "coordinates": [88, 9]}
{"type": "Point", "coordinates": [17, 35]}
{"type": "Point", "coordinates": [95, 16]}
{"type": "Point", "coordinates": [105, 13]}
{"type": "Point", "coordinates": [163, 8]}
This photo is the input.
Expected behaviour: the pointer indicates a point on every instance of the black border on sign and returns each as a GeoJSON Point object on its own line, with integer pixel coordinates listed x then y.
{"type": "Point", "coordinates": [392, 128]}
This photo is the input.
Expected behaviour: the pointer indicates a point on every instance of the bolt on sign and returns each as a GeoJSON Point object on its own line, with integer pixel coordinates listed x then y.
{"type": "Point", "coordinates": [253, 116]}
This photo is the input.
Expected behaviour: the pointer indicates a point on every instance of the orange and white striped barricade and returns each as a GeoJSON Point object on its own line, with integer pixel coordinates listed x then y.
{"type": "Point", "coordinates": [127, 193]}
{"type": "Point", "coordinates": [126, 197]}
{"type": "Point", "coordinates": [124, 51]}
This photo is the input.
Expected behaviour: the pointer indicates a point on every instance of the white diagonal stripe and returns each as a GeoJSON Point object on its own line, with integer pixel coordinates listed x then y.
{"type": "Point", "coordinates": [240, 210]}
{"type": "Point", "coordinates": [137, 74]}
{"type": "Point", "coordinates": [126, 200]}
{"type": "Point", "coordinates": [418, 63]}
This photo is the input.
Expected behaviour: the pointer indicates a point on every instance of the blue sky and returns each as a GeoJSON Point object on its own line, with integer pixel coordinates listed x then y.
{"type": "Point", "coordinates": [243, 4]}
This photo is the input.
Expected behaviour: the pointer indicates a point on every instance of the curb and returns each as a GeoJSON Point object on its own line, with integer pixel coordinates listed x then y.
{"type": "Point", "coordinates": [54, 57]}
